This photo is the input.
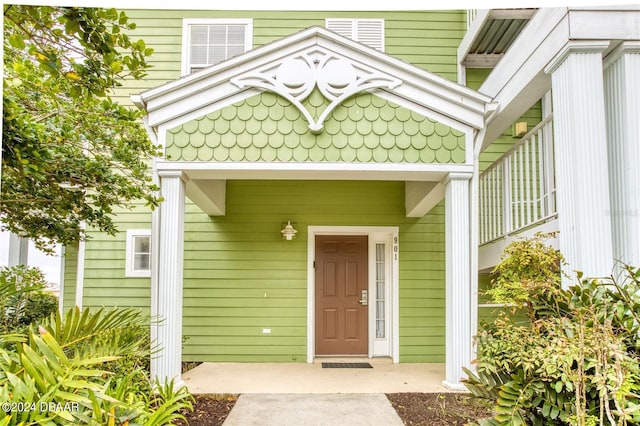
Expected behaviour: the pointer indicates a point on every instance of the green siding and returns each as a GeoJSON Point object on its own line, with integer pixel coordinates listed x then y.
{"type": "Point", "coordinates": [475, 78]}
{"type": "Point", "coordinates": [70, 273]}
{"type": "Point", "coordinates": [241, 277]}
{"type": "Point", "coordinates": [105, 283]}
{"type": "Point", "coordinates": [427, 39]}
{"type": "Point", "coordinates": [365, 128]}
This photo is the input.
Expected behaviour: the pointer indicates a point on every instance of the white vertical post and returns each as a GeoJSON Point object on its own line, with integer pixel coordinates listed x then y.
{"type": "Point", "coordinates": [165, 365]}
{"type": "Point", "coordinates": [582, 180]}
{"type": "Point", "coordinates": [622, 91]}
{"type": "Point", "coordinates": [458, 278]}
{"type": "Point", "coordinates": [18, 250]}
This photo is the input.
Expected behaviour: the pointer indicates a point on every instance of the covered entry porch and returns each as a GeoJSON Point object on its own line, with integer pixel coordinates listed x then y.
{"type": "Point", "coordinates": [243, 293]}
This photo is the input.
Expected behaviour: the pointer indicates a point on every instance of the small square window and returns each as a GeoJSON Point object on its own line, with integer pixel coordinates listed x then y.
{"type": "Point", "coordinates": [207, 42]}
{"type": "Point", "coordinates": [138, 252]}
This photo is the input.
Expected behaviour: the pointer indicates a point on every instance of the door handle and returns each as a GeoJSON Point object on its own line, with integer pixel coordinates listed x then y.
{"type": "Point", "coordinates": [364, 298]}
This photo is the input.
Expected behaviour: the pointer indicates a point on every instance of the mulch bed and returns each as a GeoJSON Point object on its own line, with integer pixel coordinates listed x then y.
{"type": "Point", "coordinates": [209, 410]}
{"type": "Point", "coordinates": [438, 409]}
{"type": "Point", "coordinates": [415, 409]}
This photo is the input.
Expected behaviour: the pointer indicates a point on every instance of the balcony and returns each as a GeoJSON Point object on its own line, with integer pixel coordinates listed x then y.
{"type": "Point", "coordinates": [517, 193]}
{"type": "Point", "coordinates": [490, 32]}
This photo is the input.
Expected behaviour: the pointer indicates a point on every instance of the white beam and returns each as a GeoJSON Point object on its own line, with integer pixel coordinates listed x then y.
{"type": "Point", "coordinates": [209, 195]}
{"type": "Point", "coordinates": [512, 13]}
{"type": "Point", "coordinates": [482, 60]}
{"type": "Point", "coordinates": [421, 197]}
{"type": "Point", "coordinates": [166, 364]}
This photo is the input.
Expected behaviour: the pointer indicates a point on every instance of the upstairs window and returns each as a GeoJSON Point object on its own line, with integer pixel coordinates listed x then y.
{"type": "Point", "coordinates": [366, 31]}
{"type": "Point", "coordinates": [138, 253]}
{"type": "Point", "coordinates": [207, 42]}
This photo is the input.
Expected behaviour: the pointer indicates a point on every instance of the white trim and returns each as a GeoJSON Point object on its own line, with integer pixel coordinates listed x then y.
{"type": "Point", "coordinates": [80, 270]}
{"type": "Point", "coordinates": [425, 110]}
{"type": "Point", "coordinates": [387, 234]}
{"type": "Point", "coordinates": [63, 263]}
{"type": "Point", "coordinates": [187, 22]}
{"type": "Point", "coordinates": [311, 171]}
{"type": "Point", "coordinates": [130, 271]}
{"type": "Point", "coordinates": [211, 85]}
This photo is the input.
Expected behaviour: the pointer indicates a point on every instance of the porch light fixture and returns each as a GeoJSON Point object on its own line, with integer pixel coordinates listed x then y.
{"type": "Point", "coordinates": [288, 232]}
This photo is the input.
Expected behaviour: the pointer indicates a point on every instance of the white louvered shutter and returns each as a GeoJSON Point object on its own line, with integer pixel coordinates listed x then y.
{"type": "Point", "coordinates": [371, 33]}
{"type": "Point", "coordinates": [366, 31]}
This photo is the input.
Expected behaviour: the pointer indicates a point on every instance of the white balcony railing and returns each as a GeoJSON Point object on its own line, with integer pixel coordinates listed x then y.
{"type": "Point", "coordinates": [518, 190]}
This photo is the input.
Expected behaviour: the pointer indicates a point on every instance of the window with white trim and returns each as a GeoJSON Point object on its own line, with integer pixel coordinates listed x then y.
{"type": "Point", "coordinates": [366, 31]}
{"type": "Point", "coordinates": [138, 253]}
{"type": "Point", "coordinates": [207, 42]}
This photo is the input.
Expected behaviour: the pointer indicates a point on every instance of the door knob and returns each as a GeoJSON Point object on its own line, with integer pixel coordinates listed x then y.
{"type": "Point", "coordinates": [364, 298]}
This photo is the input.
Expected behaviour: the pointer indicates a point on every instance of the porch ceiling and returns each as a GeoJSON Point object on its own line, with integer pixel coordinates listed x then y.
{"type": "Point", "coordinates": [206, 182]}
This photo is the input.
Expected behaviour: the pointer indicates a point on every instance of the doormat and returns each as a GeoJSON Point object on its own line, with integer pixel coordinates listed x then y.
{"type": "Point", "coordinates": [346, 365]}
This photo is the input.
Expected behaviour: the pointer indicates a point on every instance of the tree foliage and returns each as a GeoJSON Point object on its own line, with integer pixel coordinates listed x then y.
{"type": "Point", "coordinates": [69, 152]}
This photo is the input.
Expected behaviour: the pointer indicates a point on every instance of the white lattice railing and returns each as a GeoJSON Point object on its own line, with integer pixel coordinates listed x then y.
{"type": "Point", "coordinates": [471, 15]}
{"type": "Point", "coordinates": [518, 190]}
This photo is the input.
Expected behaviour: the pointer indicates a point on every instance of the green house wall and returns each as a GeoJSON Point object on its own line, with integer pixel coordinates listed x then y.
{"type": "Point", "coordinates": [241, 277]}
{"type": "Point", "coordinates": [105, 280]}
{"type": "Point", "coordinates": [232, 262]}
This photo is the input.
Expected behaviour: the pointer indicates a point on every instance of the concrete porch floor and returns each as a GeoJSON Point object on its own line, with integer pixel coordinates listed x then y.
{"type": "Point", "coordinates": [384, 377]}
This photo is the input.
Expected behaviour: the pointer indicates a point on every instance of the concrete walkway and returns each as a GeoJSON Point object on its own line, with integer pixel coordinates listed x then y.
{"type": "Point", "coordinates": [245, 378]}
{"type": "Point", "coordinates": [283, 394]}
{"type": "Point", "coordinates": [313, 410]}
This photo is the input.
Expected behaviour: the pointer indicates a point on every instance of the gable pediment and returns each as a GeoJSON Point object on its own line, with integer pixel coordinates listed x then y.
{"type": "Point", "coordinates": [294, 66]}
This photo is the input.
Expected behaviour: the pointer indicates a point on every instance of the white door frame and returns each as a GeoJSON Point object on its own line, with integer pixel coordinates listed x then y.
{"type": "Point", "coordinates": [375, 234]}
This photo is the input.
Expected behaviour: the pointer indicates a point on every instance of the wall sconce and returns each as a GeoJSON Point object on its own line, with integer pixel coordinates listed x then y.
{"type": "Point", "coordinates": [519, 129]}
{"type": "Point", "coordinates": [288, 231]}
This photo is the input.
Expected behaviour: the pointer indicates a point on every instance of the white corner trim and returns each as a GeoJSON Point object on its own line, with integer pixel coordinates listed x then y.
{"type": "Point", "coordinates": [63, 265]}
{"type": "Point", "coordinates": [391, 237]}
{"type": "Point", "coordinates": [80, 269]}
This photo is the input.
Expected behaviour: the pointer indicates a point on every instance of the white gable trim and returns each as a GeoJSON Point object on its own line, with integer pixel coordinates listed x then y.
{"type": "Point", "coordinates": [211, 86]}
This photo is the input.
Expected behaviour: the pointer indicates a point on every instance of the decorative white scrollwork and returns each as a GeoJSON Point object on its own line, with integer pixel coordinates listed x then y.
{"type": "Point", "coordinates": [336, 77]}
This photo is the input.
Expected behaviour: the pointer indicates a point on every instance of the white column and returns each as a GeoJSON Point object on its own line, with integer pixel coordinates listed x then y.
{"type": "Point", "coordinates": [458, 278]}
{"type": "Point", "coordinates": [18, 250]}
{"type": "Point", "coordinates": [622, 94]}
{"type": "Point", "coordinates": [582, 179]}
{"type": "Point", "coordinates": [165, 365]}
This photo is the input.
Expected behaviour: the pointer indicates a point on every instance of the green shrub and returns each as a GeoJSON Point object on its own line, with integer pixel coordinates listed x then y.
{"type": "Point", "coordinates": [39, 305]}
{"type": "Point", "coordinates": [63, 366]}
{"type": "Point", "coordinates": [577, 359]}
{"type": "Point", "coordinates": [19, 304]}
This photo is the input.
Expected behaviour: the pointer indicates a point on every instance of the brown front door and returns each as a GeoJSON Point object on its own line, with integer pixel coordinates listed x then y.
{"type": "Point", "coordinates": [341, 276]}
